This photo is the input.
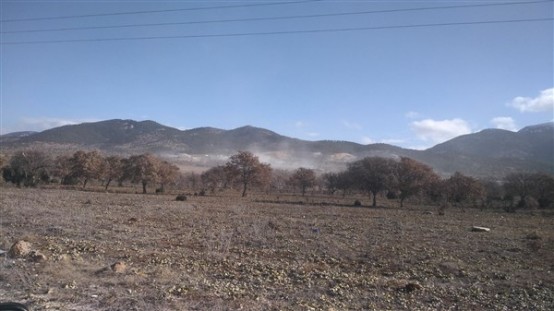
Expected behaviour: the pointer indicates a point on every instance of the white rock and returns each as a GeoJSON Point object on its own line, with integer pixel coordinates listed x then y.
{"type": "Point", "coordinates": [480, 229]}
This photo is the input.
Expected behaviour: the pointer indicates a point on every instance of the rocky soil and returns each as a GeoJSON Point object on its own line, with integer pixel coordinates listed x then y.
{"type": "Point", "coordinates": [104, 251]}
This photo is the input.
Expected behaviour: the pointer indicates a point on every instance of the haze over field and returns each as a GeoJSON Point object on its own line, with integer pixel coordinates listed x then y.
{"type": "Point", "coordinates": [412, 74]}
{"type": "Point", "coordinates": [488, 153]}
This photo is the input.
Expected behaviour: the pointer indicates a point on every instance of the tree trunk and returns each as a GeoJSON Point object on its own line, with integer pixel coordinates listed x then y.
{"type": "Point", "coordinates": [85, 183]}
{"type": "Point", "coordinates": [374, 199]}
{"type": "Point", "coordinates": [108, 184]}
{"type": "Point", "coordinates": [245, 185]}
{"type": "Point", "coordinates": [144, 187]}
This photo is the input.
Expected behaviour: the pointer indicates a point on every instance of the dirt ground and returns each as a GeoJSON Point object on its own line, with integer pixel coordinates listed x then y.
{"type": "Point", "coordinates": [109, 251]}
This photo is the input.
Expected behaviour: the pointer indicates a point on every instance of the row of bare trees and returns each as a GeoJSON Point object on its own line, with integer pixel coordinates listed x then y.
{"type": "Point", "coordinates": [403, 179]}
{"type": "Point", "coordinates": [400, 179]}
{"type": "Point", "coordinates": [407, 178]}
{"type": "Point", "coordinates": [243, 169]}
{"type": "Point", "coordinates": [30, 167]}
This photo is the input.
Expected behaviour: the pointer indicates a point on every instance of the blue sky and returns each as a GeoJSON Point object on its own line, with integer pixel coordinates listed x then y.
{"type": "Point", "coordinates": [412, 87]}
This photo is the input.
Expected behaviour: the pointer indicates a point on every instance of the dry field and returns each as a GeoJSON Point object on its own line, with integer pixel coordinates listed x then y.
{"type": "Point", "coordinates": [228, 253]}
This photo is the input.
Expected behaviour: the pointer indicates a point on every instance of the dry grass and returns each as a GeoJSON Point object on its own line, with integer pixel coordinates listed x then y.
{"type": "Point", "coordinates": [227, 253]}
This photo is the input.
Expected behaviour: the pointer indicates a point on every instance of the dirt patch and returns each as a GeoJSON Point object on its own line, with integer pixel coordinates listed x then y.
{"type": "Point", "coordinates": [220, 253]}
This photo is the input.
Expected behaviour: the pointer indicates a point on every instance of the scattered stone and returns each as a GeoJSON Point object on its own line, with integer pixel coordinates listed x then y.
{"type": "Point", "coordinates": [412, 286]}
{"type": "Point", "coordinates": [119, 267]}
{"type": "Point", "coordinates": [37, 256]}
{"type": "Point", "coordinates": [2, 252]}
{"type": "Point", "coordinates": [63, 257]}
{"type": "Point", "coordinates": [55, 230]}
{"type": "Point", "coordinates": [20, 249]}
{"type": "Point", "coordinates": [480, 229]}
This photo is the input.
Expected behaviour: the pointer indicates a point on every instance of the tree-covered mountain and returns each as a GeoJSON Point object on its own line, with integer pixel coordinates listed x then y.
{"type": "Point", "coordinates": [488, 153]}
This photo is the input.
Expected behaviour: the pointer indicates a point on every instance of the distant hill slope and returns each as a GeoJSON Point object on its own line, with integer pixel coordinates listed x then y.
{"type": "Point", "coordinates": [531, 148]}
{"type": "Point", "coordinates": [15, 136]}
{"type": "Point", "coordinates": [107, 134]}
{"type": "Point", "coordinates": [491, 152]}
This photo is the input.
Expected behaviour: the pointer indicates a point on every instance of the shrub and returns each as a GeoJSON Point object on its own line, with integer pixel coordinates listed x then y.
{"type": "Point", "coordinates": [181, 197]}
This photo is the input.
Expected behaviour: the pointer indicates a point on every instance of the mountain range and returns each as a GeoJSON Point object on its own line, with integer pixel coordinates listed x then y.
{"type": "Point", "coordinates": [488, 153]}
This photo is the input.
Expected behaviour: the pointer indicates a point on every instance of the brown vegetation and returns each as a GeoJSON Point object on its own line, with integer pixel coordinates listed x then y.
{"type": "Point", "coordinates": [32, 167]}
{"type": "Point", "coordinates": [375, 176]}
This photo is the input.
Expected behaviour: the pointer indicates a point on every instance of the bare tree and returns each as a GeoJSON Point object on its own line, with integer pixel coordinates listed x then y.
{"type": "Point", "coordinates": [540, 186]}
{"type": "Point", "coordinates": [412, 178]}
{"type": "Point", "coordinates": [246, 169]}
{"type": "Point", "coordinates": [214, 178]}
{"type": "Point", "coordinates": [86, 165]}
{"type": "Point", "coordinates": [142, 169]}
{"type": "Point", "coordinates": [28, 168]}
{"type": "Point", "coordinates": [372, 175]}
{"type": "Point", "coordinates": [544, 191]}
{"type": "Point", "coordinates": [3, 160]}
{"type": "Point", "coordinates": [62, 169]}
{"type": "Point", "coordinates": [460, 188]}
{"type": "Point", "coordinates": [279, 180]}
{"type": "Point", "coordinates": [303, 178]}
{"type": "Point", "coordinates": [338, 181]}
{"type": "Point", "coordinates": [167, 174]}
{"type": "Point", "coordinates": [112, 170]}
{"type": "Point", "coordinates": [265, 174]}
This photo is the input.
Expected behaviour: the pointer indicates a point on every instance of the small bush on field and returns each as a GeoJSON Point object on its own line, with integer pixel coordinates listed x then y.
{"type": "Point", "coordinates": [533, 236]}
{"type": "Point", "coordinates": [443, 208]}
{"type": "Point", "coordinates": [535, 245]}
{"type": "Point", "coordinates": [181, 197]}
{"type": "Point", "coordinates": [357, 203]}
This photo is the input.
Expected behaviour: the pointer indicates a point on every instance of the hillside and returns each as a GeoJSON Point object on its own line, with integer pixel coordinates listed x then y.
{"type": "Point", "coordinates": [489, 153]}
{"type": "Point", "coordinates": [492, 150]}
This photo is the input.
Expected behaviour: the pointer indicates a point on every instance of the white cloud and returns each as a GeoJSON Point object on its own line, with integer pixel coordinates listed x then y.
{"type": "Point", "coordinates": [351, 125]}
{"type": "Point", "coordinates": [312, 134]}
{"type": "Point", "coordinates": [544, 102]}
{"type": "Point", "coordinates": [412, 115]}
{"type": "Point", "coordinates": [367, 140]}
{"type": "Point", "coordinates": [504, 123]}
{"type": "Point", "coordinates": [44, 123]}
{"type": "Point", "coordinates": [440, 131]}
{"type": "Point", "coordinates": [299, 124]}
{"type": "Point", "coordinates": [392, 141]}
{"type": "Point", "coordinates": [419, 147]}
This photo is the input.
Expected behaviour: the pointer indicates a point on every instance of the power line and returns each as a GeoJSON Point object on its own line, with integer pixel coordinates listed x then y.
{"type": "Point", "coordinates": [272, 33]}
{"type": "Point", "coordinates": [155, 11]}
{"type": "Point", "coordinates": [253, 19]}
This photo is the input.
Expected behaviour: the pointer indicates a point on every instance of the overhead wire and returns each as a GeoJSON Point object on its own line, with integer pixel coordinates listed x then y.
{"type": "Point", "coordinates": [272, 33]}
{"type": "Point", "coordinates": [157, 11]}
{"type": "Point", "coordinates": [255, 19]}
